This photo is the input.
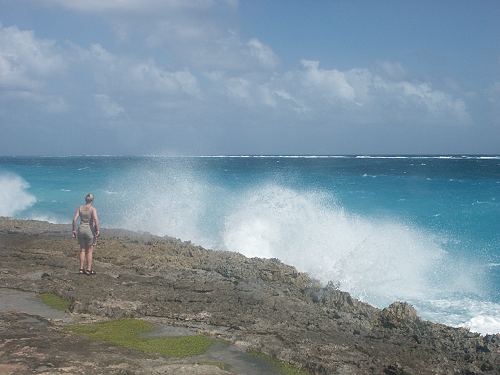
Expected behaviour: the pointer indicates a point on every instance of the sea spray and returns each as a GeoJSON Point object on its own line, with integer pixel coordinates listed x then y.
{"type": "Point", "coordinates": [14, 197]}
{"type": "Point", "coordinates": [376, 259]}
{"type": "Point", "coordinates": [166, 203]}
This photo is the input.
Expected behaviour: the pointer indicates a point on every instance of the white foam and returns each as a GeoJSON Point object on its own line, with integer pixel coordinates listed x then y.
{"type": "Point", "coordinates": [375, 259]}
{"type": "Point", "coordinates": [14, 197]}
{"type": "Point", "coordinates": [483, 324]}
{"type": "Point", "coordinates": [478, 316]}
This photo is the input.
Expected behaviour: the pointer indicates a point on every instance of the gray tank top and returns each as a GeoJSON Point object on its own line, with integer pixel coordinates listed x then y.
{"type": "Point", "coordinates": [85, 215]}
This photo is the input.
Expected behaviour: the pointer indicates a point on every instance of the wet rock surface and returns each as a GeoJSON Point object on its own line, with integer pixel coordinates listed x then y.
{"type": "Point", "coordinates": [32, 344]}
{"type": "Point", "coordinates": [257, 304]}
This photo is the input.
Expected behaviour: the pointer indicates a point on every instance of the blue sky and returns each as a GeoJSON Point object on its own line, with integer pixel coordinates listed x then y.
{"type": "Point", "coordinates": [175, 77]}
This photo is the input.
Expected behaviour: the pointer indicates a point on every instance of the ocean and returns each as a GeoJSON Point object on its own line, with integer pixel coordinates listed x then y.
{"type": "Point", "coordinates": [423, 229]}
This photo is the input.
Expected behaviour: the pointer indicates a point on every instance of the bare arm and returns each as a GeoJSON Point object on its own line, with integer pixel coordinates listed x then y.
{"type": "Point", "coordinates": [95, 219]}
{"type": "Point", "coordinates": [75, 218]}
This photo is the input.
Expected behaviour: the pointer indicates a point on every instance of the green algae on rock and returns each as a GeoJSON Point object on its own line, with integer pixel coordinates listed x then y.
{"type": "Point", "coordinates": [283, 367]}
{"type": "Point", "coordinates": [127, 333]}
{"type": "Point", "coordinates": [55, 301]}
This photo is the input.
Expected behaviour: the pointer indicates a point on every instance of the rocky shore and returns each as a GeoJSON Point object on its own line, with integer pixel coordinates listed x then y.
{"type": "Point", "coordinates": [256, 304]}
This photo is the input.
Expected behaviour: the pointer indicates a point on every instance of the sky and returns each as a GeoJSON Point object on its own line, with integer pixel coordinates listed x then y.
{"type": "Point", "coordinates": [216, 77]}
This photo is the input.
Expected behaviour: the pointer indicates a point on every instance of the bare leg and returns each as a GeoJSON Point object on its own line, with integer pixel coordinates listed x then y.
{"type": "Point", "coordinates": [82, 258]}
{"type": "Point", "coordinates": [89, 252]}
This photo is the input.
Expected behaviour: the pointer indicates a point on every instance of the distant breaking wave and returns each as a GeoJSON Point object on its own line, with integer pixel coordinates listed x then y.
{"type": "Point", "coordinates": [298, 156]}
{"type": "Point", "coordinates": [461, 157]}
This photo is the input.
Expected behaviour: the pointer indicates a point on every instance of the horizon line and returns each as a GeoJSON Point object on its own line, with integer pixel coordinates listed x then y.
{"type": "Point", "coordinates": [361, 155]}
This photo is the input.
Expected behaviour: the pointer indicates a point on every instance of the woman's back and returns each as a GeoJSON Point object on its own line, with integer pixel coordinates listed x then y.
{"type": "Point", "coordinates": [85, 213]}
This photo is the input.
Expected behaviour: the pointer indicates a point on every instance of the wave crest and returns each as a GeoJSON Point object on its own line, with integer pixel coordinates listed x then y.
{"type": "Point", "coordinates": [374, 259]}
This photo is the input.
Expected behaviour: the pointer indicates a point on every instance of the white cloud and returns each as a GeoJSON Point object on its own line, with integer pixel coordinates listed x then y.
{"type": "Point", "coordinates": [24, 59]}
{"type": "Point", "coordinates": [11, 74]}
{"type": "Point", "coordinates": [26, 63]}
{"type": "Point", "coordinates": [147, 76]}
{"type": "Point", "coordinates": [330, 83]}
{"type": "Point", "coordinates": [419, 98]}
{"type": "Point", "coordinates": [244, 91]}
{"type": "Point", "coordinates": [185, 29]}
{"type": "Point", "coordinates": [424, 94]}
{"type": "Point", "coordinates": [264, 54]}
{"type": "Point", "coordinates": [206, 47]}
{"type": "Point", "coordinates": [47, 75]}
{"type": "Point", "coordinates": [367, 96]}
{"type": "Point", "coordinates": [108, 106]}
{"type": "Point", "coordinates": [199, 42]}
{"type": "Point", "coordinates": [296, 104]}
{"type": "Point", "coordinates": [392, 69]}
{"type": "Point", "coordinates": [354, 96]}
{"type": "Point", "coordinates": [97, 52]}
{"type": "Point", "coordinates": [131, 76]}
{"type": "Point", "coordinates": [244, 72]}
{"type": "Point", "coordinates": [238, 88]}
{"type": "Point", "coordinates": [253, 92]}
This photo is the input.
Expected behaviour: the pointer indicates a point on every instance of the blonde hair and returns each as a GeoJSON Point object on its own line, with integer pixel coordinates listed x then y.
{"type": "Point", "coordinates": [89, 198]}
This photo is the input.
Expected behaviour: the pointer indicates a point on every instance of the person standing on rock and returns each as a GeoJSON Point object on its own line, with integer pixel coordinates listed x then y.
{"type": "Point", "coordinates": [88, 231]}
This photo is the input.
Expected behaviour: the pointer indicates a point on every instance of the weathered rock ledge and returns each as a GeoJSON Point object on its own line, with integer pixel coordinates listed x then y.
{"type": "Point", "coordinates": [256, 303]}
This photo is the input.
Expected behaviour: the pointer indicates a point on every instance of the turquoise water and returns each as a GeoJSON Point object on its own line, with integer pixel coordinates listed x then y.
{"type": "Point", "coordinates": [421, 229]}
